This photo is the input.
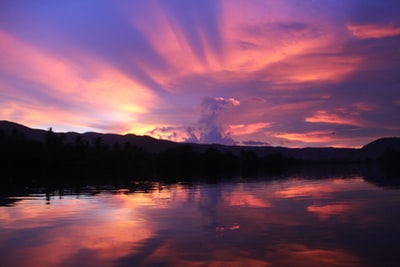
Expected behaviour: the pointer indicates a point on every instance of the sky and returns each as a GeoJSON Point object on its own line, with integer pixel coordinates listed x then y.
{"type": "Point", "coordinates": [247, 72]}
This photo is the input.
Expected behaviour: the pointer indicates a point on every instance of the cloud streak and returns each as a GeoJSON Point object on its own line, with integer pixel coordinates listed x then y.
{"type": "Point", "coordinates": [373, 31]}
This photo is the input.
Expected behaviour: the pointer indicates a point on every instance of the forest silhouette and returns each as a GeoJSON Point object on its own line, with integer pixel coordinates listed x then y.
{"type": "Point", "coordinates": [21, 156]}
{"type": "Point", "coordinates": [19, 153]}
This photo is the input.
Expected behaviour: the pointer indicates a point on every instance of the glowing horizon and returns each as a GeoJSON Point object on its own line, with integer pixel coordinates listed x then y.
{"type": "Point", "coordinates": [229, 72]}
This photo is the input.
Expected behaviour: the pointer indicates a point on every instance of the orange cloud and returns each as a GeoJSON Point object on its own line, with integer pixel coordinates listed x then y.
{"type": "Point", "coordinates": [243, 51]}
{"type": "Point", "coordinates": [326, 117]}
{"type": "Point", "coordinates": [318, 68]}
{"type": "Point", "coordinates": [243, 129]}
{"type": "Point", "coordinates": [345, 116]}
{"type": "Point", "coordinates": [108, 96]}
{"type": "Point", "coordinates": [169, 132]}
{"type": "Point", "coordinates": [372, 31]}
{"type": "Point", "coordinates": [308, 137]}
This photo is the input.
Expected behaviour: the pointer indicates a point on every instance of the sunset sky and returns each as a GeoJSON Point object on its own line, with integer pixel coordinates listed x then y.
{"type": "Point", "coordinates": [283, 73]}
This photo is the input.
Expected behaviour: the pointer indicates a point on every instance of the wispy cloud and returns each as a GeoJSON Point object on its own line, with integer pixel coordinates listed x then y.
{"type": "Point", "coordinates": [339, 116]}
{"type": "Point", "coordinates": [307, 137]}
{"type": "Point", "coordinates": [373, 31]}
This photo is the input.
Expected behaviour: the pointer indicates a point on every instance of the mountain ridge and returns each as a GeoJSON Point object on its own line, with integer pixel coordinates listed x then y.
{"type": "Point", "coordinates": [372, 150]}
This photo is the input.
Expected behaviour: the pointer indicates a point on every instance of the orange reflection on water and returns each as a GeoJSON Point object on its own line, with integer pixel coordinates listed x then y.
{"type": "Point", "coordinates": [298, 188]}
{"type": "Point", "coordinates": [288, 254]}
{"type": "Point", "coordinates": [239, 199]}
{"type": "Point", "coordinates": [100, 243]}
{"type": "Point", "coordinates": [301, 255]}
{"type": "Point", "coordinates": [100, 232]}
{"type": "Point", "coordinates": [326, 211]}
{"type": "Point", "coordinates": [299, 191]}
{"type": "Point", "coordinates": [268, 223]}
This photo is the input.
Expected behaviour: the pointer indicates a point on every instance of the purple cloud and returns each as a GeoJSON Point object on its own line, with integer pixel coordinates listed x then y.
{"type": "Point", "coordinates": [210, 124]}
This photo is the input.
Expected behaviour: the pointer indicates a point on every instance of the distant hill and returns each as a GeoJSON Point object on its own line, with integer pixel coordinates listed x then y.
{"type": "Point", "coordinates": [146, 142]}
{"type": "Point", "coordinates": [378, 147]}
{"type": "Point", "coordinates": [373, 150]}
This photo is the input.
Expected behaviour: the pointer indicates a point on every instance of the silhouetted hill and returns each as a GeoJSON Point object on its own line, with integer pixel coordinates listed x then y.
{"type": "Point", "coordinates": [378, 147]}
{"type": "Point", "coordinates": [35, 134]}
{"type": "Point", "coordinates": [373, 150]}
{"type": "Point", "coordinates": [146, 142]}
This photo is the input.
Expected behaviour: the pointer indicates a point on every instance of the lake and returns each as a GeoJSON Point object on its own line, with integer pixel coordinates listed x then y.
{"type": "Point", "coordinates": [286, 221]}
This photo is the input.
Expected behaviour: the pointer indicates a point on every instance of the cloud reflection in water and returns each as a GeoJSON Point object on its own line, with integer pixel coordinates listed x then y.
{"type": "Point", "coordinates": [293, 222]}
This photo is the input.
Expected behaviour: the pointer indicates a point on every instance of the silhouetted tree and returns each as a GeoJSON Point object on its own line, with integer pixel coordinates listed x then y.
{"type": "Point", "coordinates": [391, 161]}
{"type": "Point", "coordinates": [51, 138]}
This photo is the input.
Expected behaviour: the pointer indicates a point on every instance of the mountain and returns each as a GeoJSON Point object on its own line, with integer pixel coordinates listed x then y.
{"type": "Point", "coordinates": [147, 143]}
{"type": "Point", "coordinates": [373, 150]}
{"type": "Point", "coordinates": [378, 147]}
{"type": "Point", "coordinates": [35, 134]}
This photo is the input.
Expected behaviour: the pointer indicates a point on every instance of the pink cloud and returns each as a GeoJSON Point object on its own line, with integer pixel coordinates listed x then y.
{"type": "Point", "coordinates": [108, 96]}
{"type": "Point", "coordinates": [372, 31]}
{"type": "Point", "coordinates": [323, 116]}
{"type": "Point", "coordinates": [352, 115]}
{"type": "Point", "coordinates": [307, 137]}
{"type": "Point", "coordinates": [245, 129]}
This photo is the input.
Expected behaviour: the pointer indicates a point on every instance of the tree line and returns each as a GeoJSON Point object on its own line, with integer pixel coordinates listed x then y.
{"type": "Point", "coordinates": [23, 155]}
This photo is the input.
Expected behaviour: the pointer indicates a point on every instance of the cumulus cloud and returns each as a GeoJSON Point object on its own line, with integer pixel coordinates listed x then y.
{"type": "Point", "coordinates": [212, 129]}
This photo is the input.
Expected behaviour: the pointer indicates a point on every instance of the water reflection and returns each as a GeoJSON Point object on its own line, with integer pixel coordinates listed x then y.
{"type": "Point", "coordinates": [291, 222]}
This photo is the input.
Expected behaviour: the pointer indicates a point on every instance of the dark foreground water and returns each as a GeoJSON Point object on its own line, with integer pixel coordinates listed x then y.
{"type": "Point", "coordinates": [296, 221]}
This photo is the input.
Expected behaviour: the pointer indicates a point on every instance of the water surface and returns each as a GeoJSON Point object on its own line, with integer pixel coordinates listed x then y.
{"type": "Point", "coordinates": [287, 222]}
